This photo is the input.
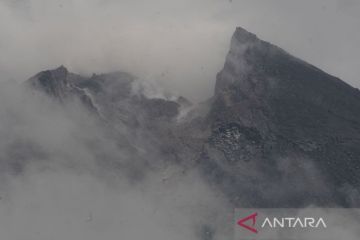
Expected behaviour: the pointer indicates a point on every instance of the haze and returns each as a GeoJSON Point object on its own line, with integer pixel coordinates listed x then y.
{"type": "Point", "coordinates": [180, 44]}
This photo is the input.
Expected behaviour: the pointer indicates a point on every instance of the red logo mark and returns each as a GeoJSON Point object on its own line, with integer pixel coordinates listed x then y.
{"type": "Point", "coordinates": [251, 228]}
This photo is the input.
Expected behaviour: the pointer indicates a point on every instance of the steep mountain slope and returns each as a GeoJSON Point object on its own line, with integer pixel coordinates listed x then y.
{"type": "Point", "coordinates": [277, 132]}
{"type": "Point", "coordinates": [269, 106]}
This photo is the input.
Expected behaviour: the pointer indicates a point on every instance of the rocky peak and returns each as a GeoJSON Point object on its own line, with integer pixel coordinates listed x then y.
{"type": "Point", "coordinates": [60, 72]}
{"type": "Point", "coordinates": [243, 36]}
{"type": "Point", "coordinates": [273, 120]}
{"type": "Point", "coordinates": [292, 107]}
{"type": "Point", "coordinates": [110, 95]}
{"type": "Point", "coordinates": [53, 82]}
{"type": "Point", "coordinates": [256, 71]}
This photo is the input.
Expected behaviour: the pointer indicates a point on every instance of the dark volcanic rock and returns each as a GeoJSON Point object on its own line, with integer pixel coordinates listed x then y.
{"type": "Point", "coordinates": [278, 132]}
{"type": "Point", "coordinates": [269, 105]}
{"type": "Point", "coordinates": [139, 125]}
{"type": "Point", "coordinates": [53, 82]}
{"type": "Point", "coordinates": [109, 95]}
{"type": "Point", "coordinates": [60, 85]}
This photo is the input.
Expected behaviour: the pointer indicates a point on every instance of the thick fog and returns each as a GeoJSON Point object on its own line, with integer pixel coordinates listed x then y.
{"type": "Point", "coordinates": [54, 185]}
{"type": "Point", "coordinates": [181, 44]}
{"type": "Point", "coordinates": [65, 176]}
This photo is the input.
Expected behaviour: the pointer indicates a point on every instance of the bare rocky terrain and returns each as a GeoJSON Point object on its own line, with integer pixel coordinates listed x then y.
{"type": "Point", "coordinates": [278, 131]}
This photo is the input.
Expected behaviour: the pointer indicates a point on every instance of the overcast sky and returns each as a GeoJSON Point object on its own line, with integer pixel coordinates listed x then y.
{"type": "Point", "coordinates": [180, 43]}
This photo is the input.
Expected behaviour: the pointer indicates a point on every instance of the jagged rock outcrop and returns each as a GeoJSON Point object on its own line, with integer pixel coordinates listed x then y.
{"type": "Point", "coordinates": [138, 124]}
{"type": "Point", "coordinates": [269, 105]}
{"type": "Point", "coordinates": [60, 84]}
{"type": "Point", "coordinates": [109, 95]}
{"type": "Point", "coordinates": [278, 132]}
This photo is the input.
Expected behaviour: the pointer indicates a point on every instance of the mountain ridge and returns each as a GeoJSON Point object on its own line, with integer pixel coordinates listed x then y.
{"type": "Point", "coordinates": [269, 110]}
